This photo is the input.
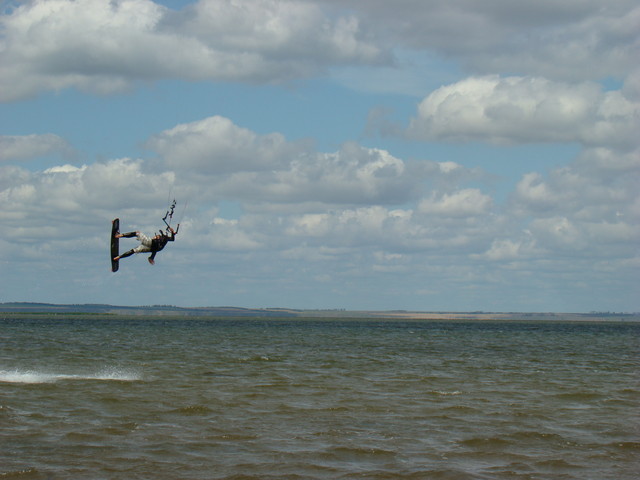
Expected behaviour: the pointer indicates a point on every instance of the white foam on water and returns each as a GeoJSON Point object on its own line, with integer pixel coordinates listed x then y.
{"type": "Point", "coordinates": [32, 376]}
{"type": "Point", "coordinates": [24, 377]}
{"type": "Point", "coordinates": [118, 375]}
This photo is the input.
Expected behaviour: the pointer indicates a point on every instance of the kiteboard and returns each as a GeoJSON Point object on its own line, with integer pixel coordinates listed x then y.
{"type": "Point", "coordinates": [115, 244]}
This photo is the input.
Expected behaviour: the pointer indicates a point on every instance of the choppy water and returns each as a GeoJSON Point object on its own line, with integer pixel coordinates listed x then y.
{"type": "Point", "coordinates": [340, 399]}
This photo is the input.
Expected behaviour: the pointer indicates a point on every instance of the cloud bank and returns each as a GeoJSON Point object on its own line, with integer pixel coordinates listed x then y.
{"type": "Point", "coordinates": [370, 222]}
{"type": "Point", "coordinates": [527, 110]}
{"type": "Point", "coordinates": [106, 47]}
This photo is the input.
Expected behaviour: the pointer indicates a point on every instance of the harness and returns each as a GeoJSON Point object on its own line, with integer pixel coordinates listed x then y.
{"type": "Point", "coordinates": [158, 244]}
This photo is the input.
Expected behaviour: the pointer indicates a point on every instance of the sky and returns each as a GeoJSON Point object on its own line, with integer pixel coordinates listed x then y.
{"type": "Point", "coordinates": [431, 155]}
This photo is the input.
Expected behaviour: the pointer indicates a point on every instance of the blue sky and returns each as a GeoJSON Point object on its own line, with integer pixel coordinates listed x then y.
{"type": "Point", "coordinates": [419, 155]}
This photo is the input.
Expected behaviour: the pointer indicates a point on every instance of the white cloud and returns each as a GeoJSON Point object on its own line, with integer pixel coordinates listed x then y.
{"type": "Point", "coordinates": [228, 235]}
{"type": "Point", "coordinates": [559, 233]}
{"type": "Point", "coordinates": [103, 47]}
{"type": "Point", "coordinates": [631, 87]}
{"type": "Point", "coordinates": [19, 147]}
{"type": "Point", "coordinates": [11, 175]}
{"type": "Point", "coordinates": [351, 226]}
{"type": "Point", "coordinates": [83, 199]}
{"type": "Point", "coordinates": [275, 30]}
{"type": "Point", "coordinates": [599, 184]}
{"type": "Point", "coordinates": [63, 169]}
{"type": "Point", "coordinates": [463, 203]}
{"type": "Point", "coordinates": [268, 168]}
{"type": "Point", "coordinates": [587, 42]}
{"type": "Point", "coordinates": [507, 250]}
{"type": "Point", "coordinates": [389, 234]}
{"type": "Point", "coordinates": [574, 237]}
{"type": "Point", "coordinates": [535, 193]}
{"type": "Point", "coordinates": [353, 175]}
{"type": "Point", "coordinates": [588, 208]}
{"type": "Point", "coordinates": [526, 110]}
{"type": "Point", "coordinates": [68, 200]}
{"type": "Point", "coordinates": [343, 201]}
{"type": "Point", "coordinates": [570, 40]}
{"type": "Point", "coordinates": [608, 165]}
{"type": "Point", "coordinates": [216, 145]}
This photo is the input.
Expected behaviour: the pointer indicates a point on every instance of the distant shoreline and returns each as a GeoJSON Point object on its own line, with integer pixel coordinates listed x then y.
{"type": "Point", "coordinates": [20, 309]}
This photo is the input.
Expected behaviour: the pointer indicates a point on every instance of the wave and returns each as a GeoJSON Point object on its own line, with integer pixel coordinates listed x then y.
{"type": "Point", "coordinates": [193, 410]}
{"type": "Point", "coordinates": [32, 376]}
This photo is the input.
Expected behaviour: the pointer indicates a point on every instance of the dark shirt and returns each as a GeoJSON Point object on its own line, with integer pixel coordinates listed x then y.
{"type": "Point", "coordinates": [158, 244]}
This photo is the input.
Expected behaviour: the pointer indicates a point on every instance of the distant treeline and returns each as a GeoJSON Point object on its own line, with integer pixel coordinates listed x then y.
{"type": "Point", "coordinates": [226, 311]}
{"type": "Point", "coordinates": [48, 308]}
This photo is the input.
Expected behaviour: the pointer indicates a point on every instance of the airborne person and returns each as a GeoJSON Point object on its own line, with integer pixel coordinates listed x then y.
{"type": "Point", "coordinates": [147, 244]}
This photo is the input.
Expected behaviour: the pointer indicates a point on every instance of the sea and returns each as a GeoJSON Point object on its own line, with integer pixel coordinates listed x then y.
{"type": "Point", "coordinates": [250, 398]}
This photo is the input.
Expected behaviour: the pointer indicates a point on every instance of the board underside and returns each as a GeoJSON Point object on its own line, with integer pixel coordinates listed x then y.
{"type": "Point", "coordinates": [115, 244]}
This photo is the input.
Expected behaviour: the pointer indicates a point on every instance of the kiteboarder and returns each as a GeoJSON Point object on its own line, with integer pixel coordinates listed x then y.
{"type": "Point", "coordinates": [148, 244]}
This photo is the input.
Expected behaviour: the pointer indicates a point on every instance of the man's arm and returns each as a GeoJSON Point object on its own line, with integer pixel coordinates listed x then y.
{"type": "Point", "coordinates": [151, 258]}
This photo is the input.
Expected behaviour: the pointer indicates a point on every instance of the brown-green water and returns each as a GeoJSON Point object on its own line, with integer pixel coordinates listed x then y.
{"type": "Point", "coordinates": [252, 399]}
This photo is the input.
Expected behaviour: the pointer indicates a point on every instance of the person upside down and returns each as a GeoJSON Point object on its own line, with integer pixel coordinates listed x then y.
{"type": "Point", "coordinates": [147, 244]}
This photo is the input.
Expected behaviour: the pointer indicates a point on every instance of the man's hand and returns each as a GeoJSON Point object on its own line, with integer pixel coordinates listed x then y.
{"type": "Point", "coordinates": [152, 261]}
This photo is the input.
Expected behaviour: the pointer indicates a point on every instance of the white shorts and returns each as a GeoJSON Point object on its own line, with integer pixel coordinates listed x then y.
{"type": "Point", "coordinates": [145, 243]}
